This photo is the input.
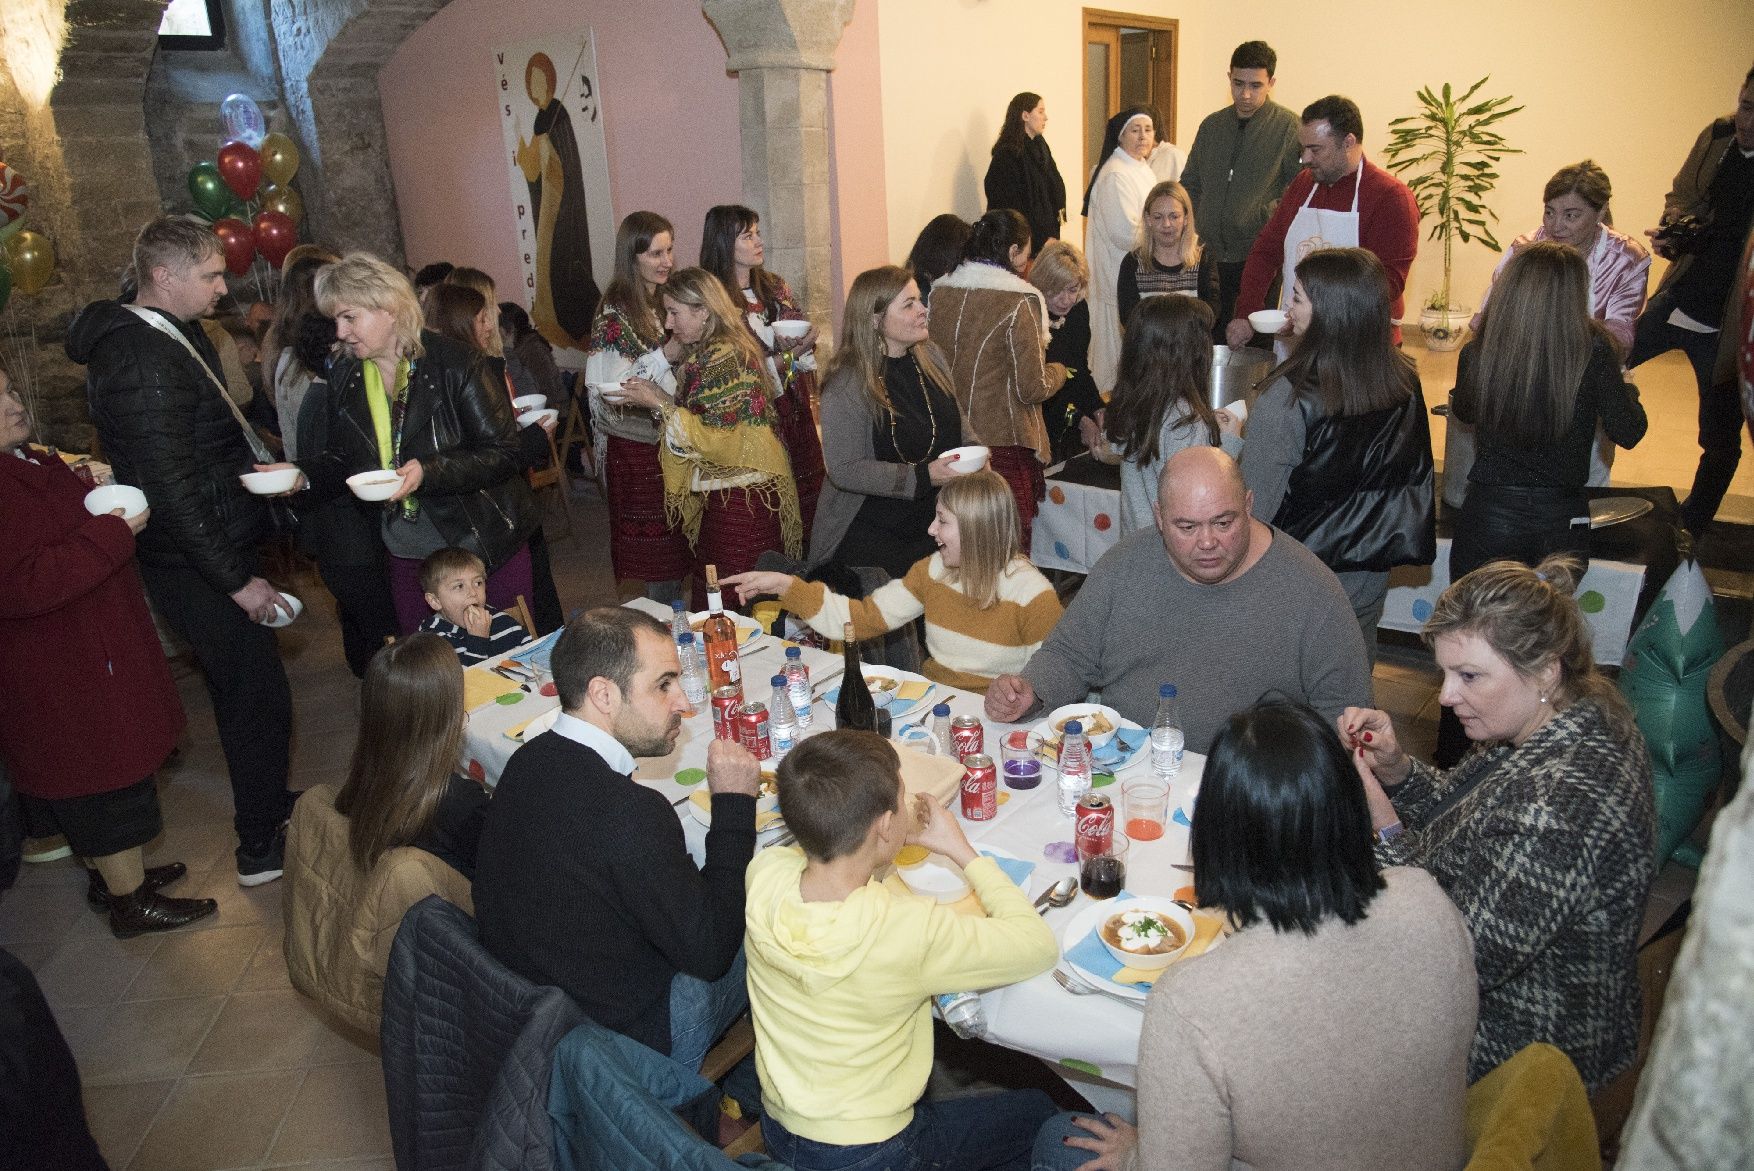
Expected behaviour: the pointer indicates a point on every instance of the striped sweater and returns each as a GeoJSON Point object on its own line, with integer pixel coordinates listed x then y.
{"type": "Point", "coordinates": [966, 647]}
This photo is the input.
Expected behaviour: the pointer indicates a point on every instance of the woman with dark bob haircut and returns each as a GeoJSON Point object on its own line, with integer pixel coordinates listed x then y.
{"type": "Point", "coordinates": [1364, 975]}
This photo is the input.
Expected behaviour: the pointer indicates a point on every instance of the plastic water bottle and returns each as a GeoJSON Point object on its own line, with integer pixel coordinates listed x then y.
{"type": "Point", "coordinates": [941, 730]}
{"type": "Point", "coordinates": [798, 685]}
{"type": "Point", "coordinates": [782, 720]}
{"type": "Point", "coordinates": [1074, 767]}
{"type": "Point", "coordinates": [693, 678]}
{"type": "Point", "coordinates": [679, 621]}
{"type": "Point", "coordinates": [1167, 741]}
{"type": "Point", "coordinates": [963, 1013]}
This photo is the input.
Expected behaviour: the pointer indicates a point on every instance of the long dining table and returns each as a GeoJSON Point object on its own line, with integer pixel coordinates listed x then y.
{"type": "Point", "coordinates": [1090, 1040]}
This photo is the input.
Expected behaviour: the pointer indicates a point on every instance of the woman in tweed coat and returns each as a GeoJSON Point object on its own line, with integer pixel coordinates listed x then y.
{"type": "Point", "coordinates": [1543, 834]}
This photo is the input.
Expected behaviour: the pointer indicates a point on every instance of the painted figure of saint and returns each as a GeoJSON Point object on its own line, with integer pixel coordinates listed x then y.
{"type": "Point", "coordinates": [566, 291]}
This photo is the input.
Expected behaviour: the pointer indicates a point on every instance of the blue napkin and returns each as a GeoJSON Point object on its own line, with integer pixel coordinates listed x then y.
{"type": "Point", "coordinates": [1017, 870]}
{"type": "Point", "coordinates": [1181, 818]}
{"type": "Point", "coordinates": [895, 709]}
{"type": "Point", "coordinates": [1089, 953]}
{"type": "Point", "coordinates": [536, 654]}
{"type": "Point", "coordinates": [1117, 752]}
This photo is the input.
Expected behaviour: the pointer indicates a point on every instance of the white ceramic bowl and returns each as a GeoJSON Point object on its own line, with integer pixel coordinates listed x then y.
{"type": "Point", "coordinates": [269, 483]}
{"type": "Point", "coordinates": [281, 617]}
{"type": "Point", "coordinates": [610, 392]}
{"type": "Point", "coordinates": [969, 459]}
{"type": "Point", "coordinates": [937, 877]}
{"type": "Point", "coordinates": [529, 402]}
{"type": "Point", "coordinates": [1268, 320]}
{"type": "Point", "coordinates": [1163, 908]}
{"type": "Point", "coordinates": [537, 416]}
{"type": "Point", "coordinates": [374, 485]}
{"type": "Point", "coordinates": [1081, 711]}
{"type": "Point", "coordinates": [791, 328]}
{"type": "Point", "coordinates": [131, 500]}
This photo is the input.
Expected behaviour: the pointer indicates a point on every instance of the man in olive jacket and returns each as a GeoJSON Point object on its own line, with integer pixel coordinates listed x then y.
{"type": "Point", "coordinates": [1242, 159]}
{"type": "Point", "coordinates": [167, 429]}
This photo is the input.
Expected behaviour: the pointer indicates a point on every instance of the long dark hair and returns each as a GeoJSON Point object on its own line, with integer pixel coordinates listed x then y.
{"type": "Point", "coordinates": [995, 234]}
{"type": "Point", "coordinates": [937, 250]}
{"type": "Point", "coordinates": [451, 311]}
{"type": "Point", "coordinates": [1281, 828]}
{"type": "Point", "coordinates": [1166, 364]}
{"type": "Point", "coordinates": [626, 293]}
{"type": "Point", "coordinates": [1534, 345]}
{"type": "Point", "coordinates": [1011, 133]}
{"type": "Point", "coordinates": [410, 735]}
{"type": "Point", "coordinates": [1347, 357]}
{"type": "Point", "coordinates": [718, 243]}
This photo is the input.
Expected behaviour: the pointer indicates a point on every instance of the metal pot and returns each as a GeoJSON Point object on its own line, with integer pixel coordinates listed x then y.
{"type": "Point", "coordinates": [1236, 373]}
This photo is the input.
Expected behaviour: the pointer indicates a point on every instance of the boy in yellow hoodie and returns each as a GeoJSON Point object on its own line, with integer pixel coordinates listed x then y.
{"type": "Point", "coordinates": [842, 972]}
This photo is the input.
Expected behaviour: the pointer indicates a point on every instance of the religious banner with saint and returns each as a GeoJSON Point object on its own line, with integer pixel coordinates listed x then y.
{"type": "Point", "coordinates": [551, 113]}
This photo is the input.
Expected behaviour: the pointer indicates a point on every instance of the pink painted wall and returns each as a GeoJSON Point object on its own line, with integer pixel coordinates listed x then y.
{"type": "Point", "coordinates": [669, 110]}
{"type": "Point", "coordinates": [859, 214]}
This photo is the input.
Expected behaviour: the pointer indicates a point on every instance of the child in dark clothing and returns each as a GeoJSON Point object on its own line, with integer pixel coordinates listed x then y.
{"type": "Point", "coordinates": [455, 582]}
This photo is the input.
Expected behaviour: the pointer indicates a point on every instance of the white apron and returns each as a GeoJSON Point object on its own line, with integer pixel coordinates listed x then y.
{"type": "Point", "coordinates": [1312, 230]}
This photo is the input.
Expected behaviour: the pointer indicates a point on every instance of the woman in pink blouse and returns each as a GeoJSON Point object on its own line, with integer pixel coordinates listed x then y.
{"type": "Point", "coordinates": [1576, 212]}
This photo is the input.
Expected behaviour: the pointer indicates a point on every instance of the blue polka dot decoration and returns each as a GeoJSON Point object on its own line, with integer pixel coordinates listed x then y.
{"type": "Point", "coordinates": [1421, 609]}
{"type": "Point", "coordinates": [1061, 551]}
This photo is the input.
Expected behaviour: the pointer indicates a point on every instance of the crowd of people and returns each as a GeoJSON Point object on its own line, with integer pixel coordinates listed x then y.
{"type": "Point", "coordinates": [1432, 919]}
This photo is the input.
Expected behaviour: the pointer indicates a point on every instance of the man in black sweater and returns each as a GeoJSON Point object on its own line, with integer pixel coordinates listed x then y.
{"type": "Point", "coordinates": [583, 880]}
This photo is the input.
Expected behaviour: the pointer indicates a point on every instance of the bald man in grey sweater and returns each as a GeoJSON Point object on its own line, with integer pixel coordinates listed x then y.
{"type": "Point", "coordinates": [1224, 606]}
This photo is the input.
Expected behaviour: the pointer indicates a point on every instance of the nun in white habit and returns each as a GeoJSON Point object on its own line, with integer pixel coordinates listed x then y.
{"type": "Point", "coordinates": [1113, 203]}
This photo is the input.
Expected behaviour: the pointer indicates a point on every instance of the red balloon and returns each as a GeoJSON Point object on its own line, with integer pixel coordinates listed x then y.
{"type": "Point", "coordinates": [276, 235]}
{"type": "Point", "coordinates": [239, 244]}
{"type": "Point", "coordinates": [240, 165]}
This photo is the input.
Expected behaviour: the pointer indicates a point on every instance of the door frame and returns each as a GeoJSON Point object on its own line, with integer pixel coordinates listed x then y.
{"type": "Point", "coordinates": [1112, 19]}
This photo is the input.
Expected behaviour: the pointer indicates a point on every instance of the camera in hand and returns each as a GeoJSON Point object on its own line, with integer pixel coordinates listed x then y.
{"type": "Point", "coordinates": [1681, 235]}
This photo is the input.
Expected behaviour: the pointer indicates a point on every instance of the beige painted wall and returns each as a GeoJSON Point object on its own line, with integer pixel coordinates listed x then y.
{"type": "Point", "coordinates": [1626, 82]}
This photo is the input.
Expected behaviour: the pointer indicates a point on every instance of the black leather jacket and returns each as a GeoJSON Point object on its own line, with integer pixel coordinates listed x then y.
{"type": "Point", "coordinates": [166, 430]}
{"type": "Point", "coordinates": [460, 427]}
{"type": "Point", "coordinates": [1362, 499]}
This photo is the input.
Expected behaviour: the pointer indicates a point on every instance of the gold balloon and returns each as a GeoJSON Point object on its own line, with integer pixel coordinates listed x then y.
{"type": "Point", "coordinates": [285, 200]}
{"type": "Point", "coordinates": [32, 260]}
{"type": "Point", "coordinates": [279, 158]}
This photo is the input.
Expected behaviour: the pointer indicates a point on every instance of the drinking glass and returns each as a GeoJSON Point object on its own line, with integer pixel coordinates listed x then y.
{"type": "Point", "coordinates": [1021, 750]}
{"type": "Point", "coordinates": [1144, 809]}
{"type": "Point", "coordinates": [1102, 867]}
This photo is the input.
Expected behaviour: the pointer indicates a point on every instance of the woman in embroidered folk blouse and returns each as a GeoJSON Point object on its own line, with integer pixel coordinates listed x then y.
{"type": "Point", "coordinates": [1543, 835]}
{"type": "Point", "coordinates": [727, 481]}
{"type": "Point", "coordinates": [644, 547]}
{"type": "Point", "coordinates": [731, 249]}
{"type": "Point", "coordinates": [993, 326]}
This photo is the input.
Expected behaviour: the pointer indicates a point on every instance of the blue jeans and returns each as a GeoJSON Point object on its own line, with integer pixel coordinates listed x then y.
{"type": "Point", "coordinates": [1051, 1151]}
{"type": "Point", "coordinates": [701, 1012]}
{"type": "Point", "coordinates": [993, 1132]}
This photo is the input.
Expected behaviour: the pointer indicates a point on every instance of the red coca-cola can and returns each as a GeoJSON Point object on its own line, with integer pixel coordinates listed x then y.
{"type": "Point", "coordinates": [967, 738]}
{"type": "Point", "coordinates": [1095, 824]}
{"type": "Point", "coordinates": [980, 787]}
{"type": "Point", "coordinates": [752, 730]}
{"type": "Point", "coordinates": [727, 702]}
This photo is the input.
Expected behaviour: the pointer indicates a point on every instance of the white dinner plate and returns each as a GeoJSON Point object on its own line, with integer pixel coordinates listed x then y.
{"type": "Point", "coordinates": [1090, 918]}
{"type": "Point", "coordinates": [1048, 729]}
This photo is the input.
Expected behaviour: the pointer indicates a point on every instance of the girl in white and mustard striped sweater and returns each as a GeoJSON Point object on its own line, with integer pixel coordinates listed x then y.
{"type": "Point", "coordinates": [987, 608]}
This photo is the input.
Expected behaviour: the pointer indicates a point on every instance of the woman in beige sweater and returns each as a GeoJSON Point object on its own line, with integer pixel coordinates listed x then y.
{"type": "Point", "coordinates": [1332, 1029]}
{"type": "Point", "coordinates": [993, 327]}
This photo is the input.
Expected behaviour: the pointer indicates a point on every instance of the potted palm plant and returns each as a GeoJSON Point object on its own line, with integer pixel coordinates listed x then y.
{"type": "Point", "coordinates": [1446, 154]}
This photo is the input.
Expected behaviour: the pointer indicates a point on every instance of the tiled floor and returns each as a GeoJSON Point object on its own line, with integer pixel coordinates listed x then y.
{"type": "Point", "coordinates": [195, 1051]}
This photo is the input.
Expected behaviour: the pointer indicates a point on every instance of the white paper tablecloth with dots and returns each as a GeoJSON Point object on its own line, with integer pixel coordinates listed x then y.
{"type": "Point", "coordinates": [1083, 1037]}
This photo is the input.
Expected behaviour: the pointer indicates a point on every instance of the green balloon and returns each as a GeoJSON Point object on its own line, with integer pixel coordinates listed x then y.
{"type": "Point", "coordinates": [212, 196]}
{"type": "Point", "coordinates": [5, 285]}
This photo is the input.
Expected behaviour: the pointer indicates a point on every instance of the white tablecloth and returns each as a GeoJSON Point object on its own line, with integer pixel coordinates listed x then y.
{"type": "Point", "coordinates": [1085, 1037]}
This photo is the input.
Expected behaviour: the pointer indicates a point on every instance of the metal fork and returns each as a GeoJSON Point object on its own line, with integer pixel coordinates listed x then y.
{"type": "Point", "coordinates": [1078, 987]}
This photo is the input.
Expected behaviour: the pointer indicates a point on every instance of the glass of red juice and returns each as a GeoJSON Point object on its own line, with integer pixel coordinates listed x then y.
{"type": "Point", "coordinates": [1144, 809]}
{"type": "Point", "coordinates": [1022, 759]}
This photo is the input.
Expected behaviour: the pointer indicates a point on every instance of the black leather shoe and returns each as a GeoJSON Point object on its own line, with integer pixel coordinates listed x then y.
{"type": "Point", "coordinates": [97, 892]}
{"type": "Point", "coordinates": [147, 910]}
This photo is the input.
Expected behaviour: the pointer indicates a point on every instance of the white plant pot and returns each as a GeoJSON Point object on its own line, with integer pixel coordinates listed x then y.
{"type": "Point", "coordinates": [1444, 329]}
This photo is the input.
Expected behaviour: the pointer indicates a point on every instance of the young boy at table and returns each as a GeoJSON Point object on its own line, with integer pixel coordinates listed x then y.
{"type": "Point", "coordinates": [455, 583]}
{"type": "Point", "coordinates": [842, 971]}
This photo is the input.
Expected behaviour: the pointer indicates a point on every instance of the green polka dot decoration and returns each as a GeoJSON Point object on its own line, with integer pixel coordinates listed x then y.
{"type": "Point", "coordinates": [691, 776]}
{"type": "Point", "coordinates": [1591, 602]}
{"type": "Point", "coordinates": [1102, 780]}
{"type": "Point", "coordinates": [509, 698]}
{"type": "Point", "coordinates": [1081, 1066]}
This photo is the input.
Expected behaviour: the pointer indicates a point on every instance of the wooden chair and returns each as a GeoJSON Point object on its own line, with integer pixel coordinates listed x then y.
{"type": "Point", "coordinates": [737, 1043]}
{"type": "Point", "coordinates": [520, 610]}
{"type": "Point", "coordinates": [554, 476]}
